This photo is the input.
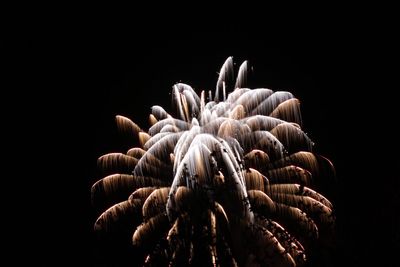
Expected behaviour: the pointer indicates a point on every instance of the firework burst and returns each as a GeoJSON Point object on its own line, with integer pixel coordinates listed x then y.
{"type": "Point", "coordinates": [225, 181]}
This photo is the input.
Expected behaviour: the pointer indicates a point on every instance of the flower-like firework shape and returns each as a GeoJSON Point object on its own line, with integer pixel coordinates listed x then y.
{"type": "Point", "coordinates": [224, 183]}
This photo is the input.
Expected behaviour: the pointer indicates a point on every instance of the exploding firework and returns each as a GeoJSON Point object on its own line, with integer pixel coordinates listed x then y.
{"type": "Point", "coordinates": [225, 181]}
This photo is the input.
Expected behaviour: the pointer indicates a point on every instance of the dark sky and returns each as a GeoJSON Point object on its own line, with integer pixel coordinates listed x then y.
{"type": "Point", "coordinates": [96, 70]}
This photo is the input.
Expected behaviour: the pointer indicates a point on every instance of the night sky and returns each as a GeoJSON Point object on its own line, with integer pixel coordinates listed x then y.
{"type": "Point", "coordinates": [100, 69]}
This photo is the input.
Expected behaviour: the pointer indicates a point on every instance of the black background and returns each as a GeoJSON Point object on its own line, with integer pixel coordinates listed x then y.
{"type": "Point", "coordinates": [84, 72]}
